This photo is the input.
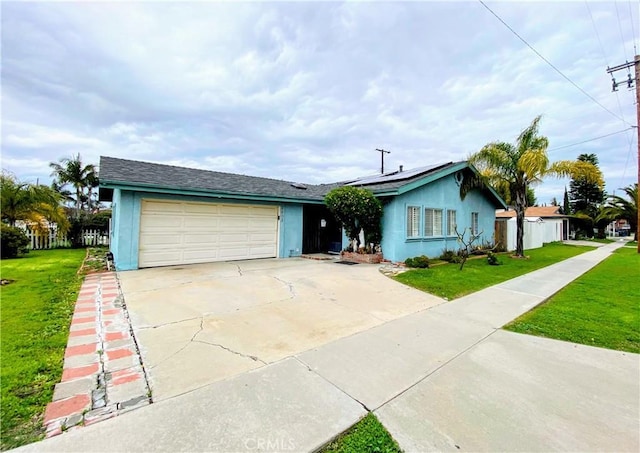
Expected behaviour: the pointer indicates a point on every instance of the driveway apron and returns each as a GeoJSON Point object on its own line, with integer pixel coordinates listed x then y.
{"type": "Point", "coordinates": [203, 323]}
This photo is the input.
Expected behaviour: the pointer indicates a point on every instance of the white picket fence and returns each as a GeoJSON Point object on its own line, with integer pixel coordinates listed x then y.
{"type": "Point", "coordinates": [51, 240]}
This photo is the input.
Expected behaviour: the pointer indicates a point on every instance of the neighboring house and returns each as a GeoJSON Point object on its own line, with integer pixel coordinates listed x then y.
{"type": "Point", "coordinates": [166, 215]}
{"type": "Point", "coordinates": [622, 227]}
{"type": "Point", "coordinates": [542, 224]}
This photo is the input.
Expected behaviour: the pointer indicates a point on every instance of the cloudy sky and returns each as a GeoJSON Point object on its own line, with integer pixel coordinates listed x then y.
{"type": "Point", "coordinates": [306, 91]}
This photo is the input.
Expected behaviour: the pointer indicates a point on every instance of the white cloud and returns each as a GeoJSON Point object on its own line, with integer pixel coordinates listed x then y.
{"type": "Point", "coordinates": [306, 91]}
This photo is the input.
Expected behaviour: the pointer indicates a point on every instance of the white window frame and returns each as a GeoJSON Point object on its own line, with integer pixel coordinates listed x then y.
{"type": "Point", "coordinates": [475, 221]}
{"type": "Point", "coordinates": [451, 225]}
{"type": "Point", "coordinates": [413, 222]}
{"type": "Point", "coordinates": [432, 222]}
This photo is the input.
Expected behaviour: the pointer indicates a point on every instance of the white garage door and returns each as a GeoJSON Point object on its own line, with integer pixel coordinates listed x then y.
{"type": "Point", "coordinates": [184, 232]}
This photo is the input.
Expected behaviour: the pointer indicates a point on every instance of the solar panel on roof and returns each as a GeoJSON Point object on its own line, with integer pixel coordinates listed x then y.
{"type": "Point", "coordinates": [395, 176]}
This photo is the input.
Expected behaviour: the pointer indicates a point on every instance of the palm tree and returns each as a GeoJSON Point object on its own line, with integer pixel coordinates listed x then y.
{"type": "Point", "coordinates": [513, 168]}
{"type": "Point", "coordinates": [618, 207]}
{"type": "Point", "coordinates": [35, 204]}
{"type": "Point", "coordinates": [81, 177]}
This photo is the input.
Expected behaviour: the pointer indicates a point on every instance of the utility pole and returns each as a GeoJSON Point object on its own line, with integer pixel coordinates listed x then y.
{"type": "Point", "coordinates": [382, 153]}
{"type": "Point", "coordinates": [629, 82]}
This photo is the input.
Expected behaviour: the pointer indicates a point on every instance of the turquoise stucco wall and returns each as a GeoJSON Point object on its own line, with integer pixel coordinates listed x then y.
{"type": "Point", "coordinates": [126, 229]}
{"type": "Point", "coordinates": [290, 230]}
{"type": "Point", "coordinates": [441, 194]}
{"type": "Point", "coordinates": [126, 224]}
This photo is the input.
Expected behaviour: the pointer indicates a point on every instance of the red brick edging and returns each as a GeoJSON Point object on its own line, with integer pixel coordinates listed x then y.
{"type": "Point", "coordinates": [103, 374]}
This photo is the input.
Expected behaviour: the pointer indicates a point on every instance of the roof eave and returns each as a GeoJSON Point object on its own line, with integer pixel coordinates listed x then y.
{"type": "Point", "coordinates": [145, 187]}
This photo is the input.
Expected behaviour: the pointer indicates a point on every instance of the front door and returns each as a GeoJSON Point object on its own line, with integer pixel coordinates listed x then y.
{"type": "Point", "coordinates": [321, 232]}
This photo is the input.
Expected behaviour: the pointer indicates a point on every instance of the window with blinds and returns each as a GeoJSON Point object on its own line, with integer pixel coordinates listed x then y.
{"type": "Point", "coordinates": [474, 222]}
{"type": "Point", "coordinates": [413, 221]}
{"type": "Point", "coordinates": [451, 222]}
{"type": "Point", "coordinates": [432, 222]}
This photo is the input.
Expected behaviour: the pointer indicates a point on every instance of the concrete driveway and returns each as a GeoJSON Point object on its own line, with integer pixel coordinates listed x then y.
{"type": "Point", "coordinates": [202, 323]}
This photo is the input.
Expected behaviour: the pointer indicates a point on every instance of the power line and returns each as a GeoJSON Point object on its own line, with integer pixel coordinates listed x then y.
{"type": "Point", "coordinates": [591, 139]}
{"type": "Point", "coordinates": [626, 165]}
{"type": "Point", "coordinates": [624, 46]}
{"type": "Point", "coordinates": [593, 22]}
{"type": "Point", "coordinates": [606, 60]}
{"type": "Point", "coordinates": [551, 64]}
{"type": "Point", "coordinates": [633, 29]}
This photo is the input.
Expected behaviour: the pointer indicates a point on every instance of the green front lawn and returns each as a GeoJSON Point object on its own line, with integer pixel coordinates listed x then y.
{"type": "Point", "coordinates": [449, 282]}
{"type": "Point", "coordinates": [368, 435]}
{"type": "Point", "coordinates": [36, 311]}
{"type": "Point", "coordinates": [598, 309]}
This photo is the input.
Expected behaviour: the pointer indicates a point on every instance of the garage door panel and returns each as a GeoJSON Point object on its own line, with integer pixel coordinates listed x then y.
{"type": "Point", "coordinates": [165, 240]}
{"type": "Point", "coordinates": [201, 255]}
{"type": "Point", "coordinates": [261, 252]}
{"type": "Point", "coordinates": [232, 223]}
{"type": "Point", "coordinates": [162, 207]}
{"type": "Point", "coordinates": [259, 224]}
{"type": "Point", "coordinates": [260, 237]}
{"type": "Point", "coordinates": [266, 211]}
{"type": "Point", "coordinates": [234, 238]}
{"type": "Point", "coordinates": [188, 232]}
{"type": "Point", "coordinates": [201, 209]}
{"type": "Point", "coordinates": [203, 240]}
{"type": "Point", "coordinates": [207, 222]}
{"type": "Point", "coordinates": [160, 222]}
{"type": "Point", "coordinates": [163, 257]}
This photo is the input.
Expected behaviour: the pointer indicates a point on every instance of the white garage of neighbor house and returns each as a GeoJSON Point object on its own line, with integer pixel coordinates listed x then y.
{"type": "Point", "coordinates": [542, 224]}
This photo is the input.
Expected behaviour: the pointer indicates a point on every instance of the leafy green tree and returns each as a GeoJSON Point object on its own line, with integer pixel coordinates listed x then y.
{"type": "Point", "coordinates": [35, 204]}
{"type": "Point", "coordinates": [586, 196]}
{"type": "Point", "coordinates": [566, 206]}
{"type": "Point", "coordinates": [356, 208]}
{"type": "Point", "coordinates": [83, 179]}
{"type": "Point", "coordinates": [618, 207]}
{"type": "Point", "coordinates": [516, 166]}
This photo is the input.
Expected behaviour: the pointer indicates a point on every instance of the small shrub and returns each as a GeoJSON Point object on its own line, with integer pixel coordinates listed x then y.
{"type": "Point", "coordinates": [421, 262]}
{"type": "Point", "coordinates": [14, 241]}
{"type": "Point", "coordinates": [447, 255]}
{"type": "Point", "coordinates": [451, 257]}
{"type": "Point", "coordinates": [492, 259]}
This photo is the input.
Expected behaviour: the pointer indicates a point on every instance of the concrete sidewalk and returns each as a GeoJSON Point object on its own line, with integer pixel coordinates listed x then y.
{"type": "Point", "coordinates": [102, 373]}
{"type": "Point", "coordinates": [441, 379]}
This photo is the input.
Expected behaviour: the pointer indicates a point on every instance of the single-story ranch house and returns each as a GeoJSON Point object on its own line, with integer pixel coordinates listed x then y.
{"type": "Point", "coordinates": [166, 215]}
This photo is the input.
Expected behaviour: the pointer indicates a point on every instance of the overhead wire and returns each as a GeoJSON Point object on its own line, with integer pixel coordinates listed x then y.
{"type": "Point", "coordinates": [633, 29]}
{"type": "Point", "coordinates": [629, 137]}
{"type": "Point", "coordinates": [624, 45]}
{"type": "Point", "coordinates": [626, 165]}
{"type": "Point", "coordinates": [551, 64]}
{"type": "Point", "coordinates": [593, 22]}
{"type": "Point", "coordinates": [590, 139]}
{"type": "Point", "coordinates": [604, 58]}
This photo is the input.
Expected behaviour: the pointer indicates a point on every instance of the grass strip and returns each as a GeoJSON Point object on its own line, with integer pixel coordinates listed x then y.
{"type": "Point", "coordinates": [36, 312]}
{"type": "Point", "coordinates": [368, 435]}
{"type": "Point", "coordinates": [598, 309]}
{"type": "Point", "coordinates": [449, 282]}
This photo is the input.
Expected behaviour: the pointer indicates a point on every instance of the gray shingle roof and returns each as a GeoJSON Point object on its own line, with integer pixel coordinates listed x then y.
{"type": "Point", "coordinates": [115, 171]}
